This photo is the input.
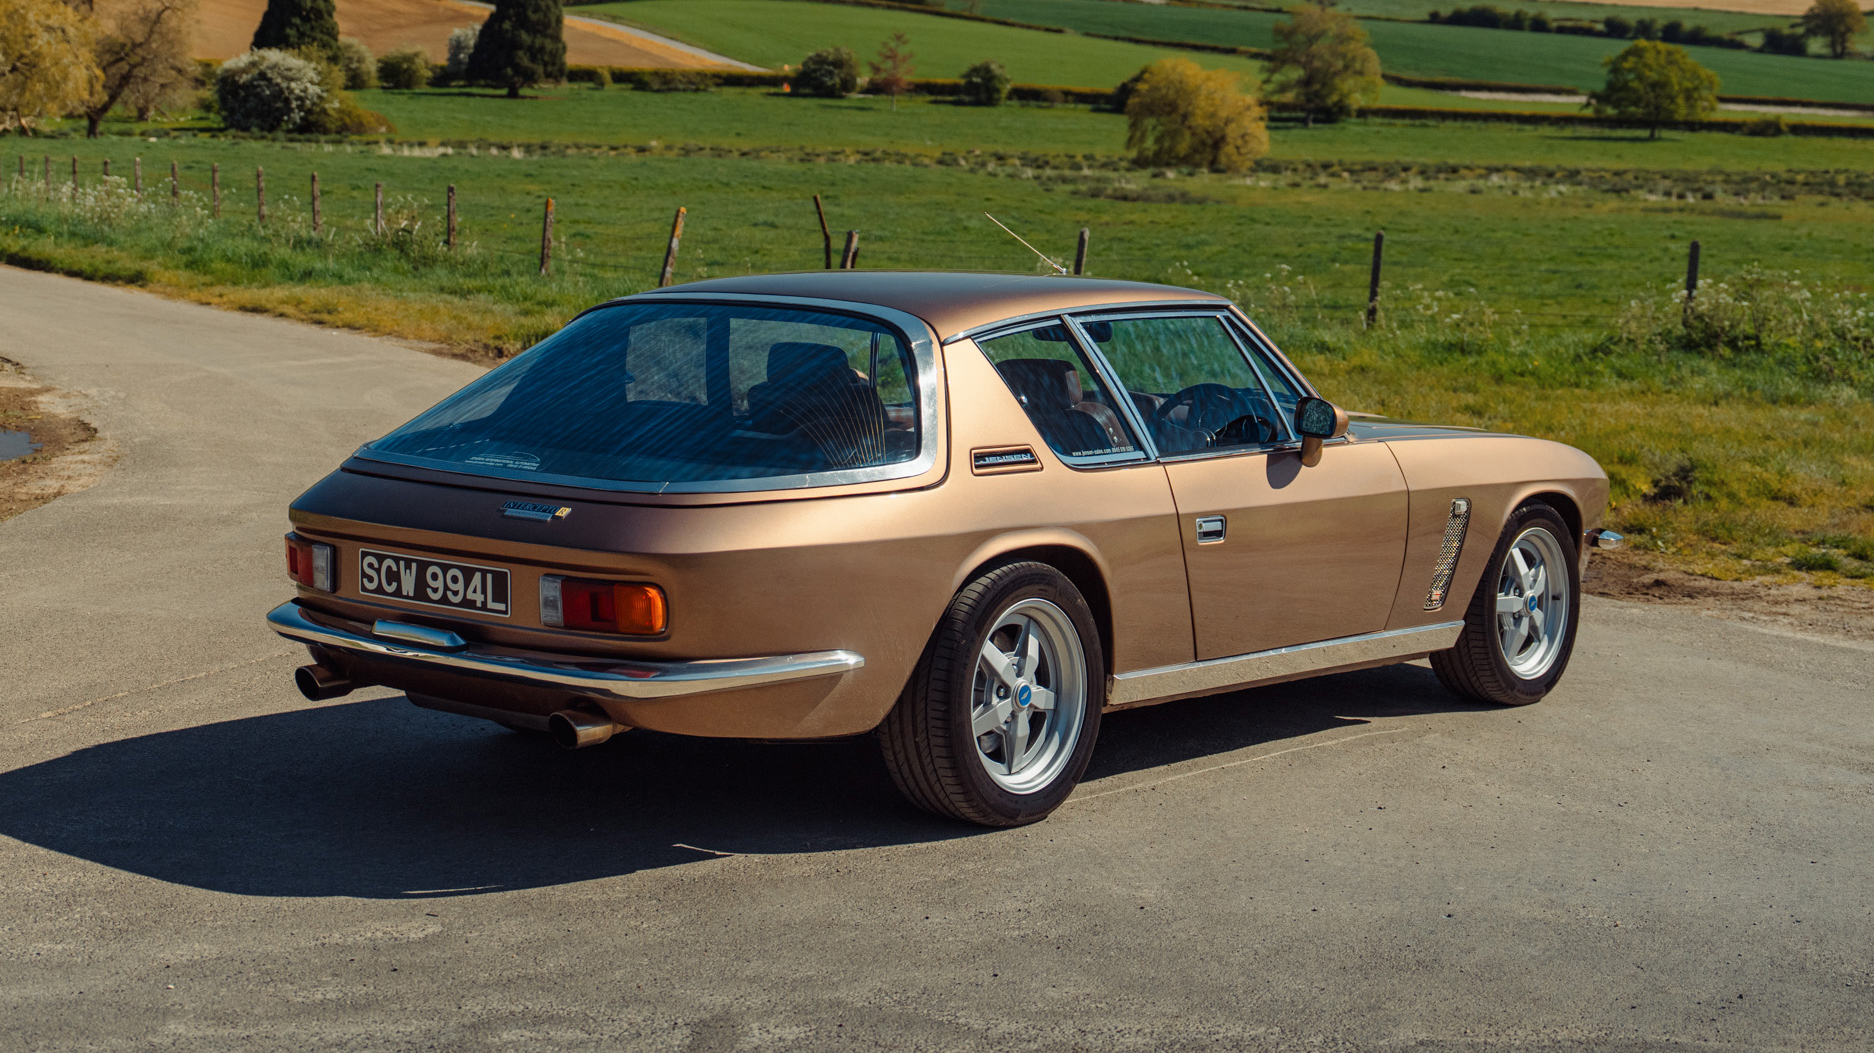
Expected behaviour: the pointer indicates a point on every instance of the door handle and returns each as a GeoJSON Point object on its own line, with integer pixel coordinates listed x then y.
{"type": "Point", "coordinates": [1210, 529]}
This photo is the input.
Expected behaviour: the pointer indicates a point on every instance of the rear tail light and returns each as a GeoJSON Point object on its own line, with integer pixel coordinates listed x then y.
{"type": "Point", "coordinates": [311, 563]}
{"type": "Point", "coordinates": [602, 606]}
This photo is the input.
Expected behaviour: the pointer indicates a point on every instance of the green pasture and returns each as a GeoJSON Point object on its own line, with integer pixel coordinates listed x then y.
{"type": "Point", "coordinates": [772, 33]}
{"type": "Point", "coordinates": [1426, 50]}
{"type": "Point", "coordinates": [1416, 10]}
{"type": "Point", "coordinates": [1504, 290]}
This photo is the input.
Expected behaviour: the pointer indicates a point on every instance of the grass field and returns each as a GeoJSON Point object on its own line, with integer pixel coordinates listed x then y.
{"type": "Point", "coordinates": [1501, 296]}
{"type": "Point", "coordinates": [1426, 50]}
{"type": "Point", "coordinates": [773, 32]}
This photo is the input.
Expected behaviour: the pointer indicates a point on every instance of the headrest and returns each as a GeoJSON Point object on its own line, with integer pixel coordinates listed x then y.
{"type": "Point", "coordinates": [1052, 381]}
{"type": "Point", "coordinates": [796, 359]}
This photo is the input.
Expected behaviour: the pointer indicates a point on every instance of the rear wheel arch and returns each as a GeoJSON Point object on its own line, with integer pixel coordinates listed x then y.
{"type": "Point", "coordinates": [1077, 565]}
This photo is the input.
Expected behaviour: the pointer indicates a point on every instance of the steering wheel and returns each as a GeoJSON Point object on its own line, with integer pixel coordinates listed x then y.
{"type": "Point", "coordinates": [1215, 411]}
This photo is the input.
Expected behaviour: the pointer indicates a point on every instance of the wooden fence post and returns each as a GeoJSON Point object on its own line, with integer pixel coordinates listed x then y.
{"type": "Point", "coordinates": [107, 168]}
{"type": "Point", "coordinates": [1080, 253]}
{"type": "Point", "coordinates": [139, 173]}
{"type": "Point", "coordinates": [175, 184]}
{"type": "Point", "coordinates": [449, 239]}
{"type": "Point", "coordinates": [316, 217]}
{"type": "Point", "coordinates": [1691, 279]}
{"type": "Point", "coordinates": [48, 164]}
{"type": "Point", "coordinates": [214, 183]}
{"type": "Point", "coordinates": [74, 178]}
{"type": "Point", "coordinates": [826, 236]}
{"type": "Point", "coordinates": [260, 194]}
{"type": "Point", "coordinates": [546, 239]}
{"type": "Point", "coordinates": [377, 216]}
{"type": "Point", "coordinates": [1372, 288]}
{"type": "Point", "coordinates": [851, 255]}
{"type": "Point", "coordinates": [670, 254]}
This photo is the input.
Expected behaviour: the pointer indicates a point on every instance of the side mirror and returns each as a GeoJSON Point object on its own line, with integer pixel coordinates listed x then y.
{"type": "Point", "coordinates": [1317, 420]}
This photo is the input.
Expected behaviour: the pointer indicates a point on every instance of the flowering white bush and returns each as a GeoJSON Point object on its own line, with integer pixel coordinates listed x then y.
{"type": "Point", "coordinates": [267, 91]}
{"type": "Point", "coordinates": [461, 46]}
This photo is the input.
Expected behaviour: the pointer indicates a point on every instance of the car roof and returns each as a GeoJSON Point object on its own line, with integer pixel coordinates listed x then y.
{"type": "Point", "coordinates": [951, 302]}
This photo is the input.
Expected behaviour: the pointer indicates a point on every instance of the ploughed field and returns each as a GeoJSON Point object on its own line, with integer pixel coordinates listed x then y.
{"type": "Point", "coordinates": [1528, 285]}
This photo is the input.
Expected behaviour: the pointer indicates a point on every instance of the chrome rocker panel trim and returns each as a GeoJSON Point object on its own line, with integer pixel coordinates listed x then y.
{"type": "Point", "coordinates": [1169, 682]}
{"type": "Point", "coordinates": [620, 680]}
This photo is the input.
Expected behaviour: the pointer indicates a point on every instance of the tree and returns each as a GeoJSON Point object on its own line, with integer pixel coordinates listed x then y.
{"type": "Point", "coordinates": [1656, 83]}
{"type": "Point", "coordinates": [522, 44]}
{"type": "Point", "coordinates": [986, 84]}
{"type": "Point", "coordinates": [1836, 21]}
{"type": "Point", "coordinates": [461, 46]}
{"type": "Point", "coordinates": [142, 51]}
{"type": "Point", "coordinates": [831, 72]}
{"type": "Point", "coordinates": [891, 73]}
{"type": "Point", "coordinates": [1181, 114]}
{"type": "Point", "coordinates": [290, 25]}
{"type": "Point", "coordinates": [1322, 64]}
{"type": "Point", "coordinates": [357, 62]}
{"type": "Point", "coordinates": [46, 63]}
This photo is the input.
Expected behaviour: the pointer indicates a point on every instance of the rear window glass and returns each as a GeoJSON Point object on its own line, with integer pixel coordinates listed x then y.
{"type": "Point", "coordinates": [683, 393]}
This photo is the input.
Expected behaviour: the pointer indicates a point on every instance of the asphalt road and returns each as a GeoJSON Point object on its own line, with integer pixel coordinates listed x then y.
{"type": "Point", "coordinates": [1671, 851]}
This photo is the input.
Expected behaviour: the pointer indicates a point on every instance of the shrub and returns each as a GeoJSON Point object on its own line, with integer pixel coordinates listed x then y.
{"type": "Point", "coordinates": [340, 114]}
{"type": "Point", "coordinates": [267, 91]}
{"type": "Point", "coordinates": [986, 84]}
{"type": "Point", "coordinates": [1784, 42]}
{"type": "Point", "coordinates": [359, 65]}
{"type": "Point", "coordinates": [1617, 27]}
{"type": "Point", "coordinates": [830, 72]}
{"type": "Point", "coordinates": [1656, 83]}
{"type": "Point", "coordinates": [1180, 114]}
{"type": "Point", "coordinates": [406, 68]}
{"type": "Point", "coordinates": [677, 80]}
{"type": "Point", "coordinates": [461, 46]}
{"type": "Point", "coordinates": [1769, 127]}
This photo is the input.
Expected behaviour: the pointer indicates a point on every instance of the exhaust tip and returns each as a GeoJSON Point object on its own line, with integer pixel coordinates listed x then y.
{"type": "Point", "coordinates": [578, 728]}
{"type": "Point", "coordinates": [318, 683]}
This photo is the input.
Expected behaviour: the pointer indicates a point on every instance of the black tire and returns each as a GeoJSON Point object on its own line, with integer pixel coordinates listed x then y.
{"type": "Point", "coordinates": [1477, 667]}
{"type": "Point", "coordinates": [927, 740]}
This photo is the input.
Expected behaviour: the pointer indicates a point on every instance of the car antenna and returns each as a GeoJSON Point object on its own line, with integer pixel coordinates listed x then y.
{"type": "Point", "coordinates": [1057, 267]}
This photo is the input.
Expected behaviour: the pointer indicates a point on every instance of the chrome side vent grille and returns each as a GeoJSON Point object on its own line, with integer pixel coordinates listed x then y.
{"type": "Point", "coordinates": [1448, 553]}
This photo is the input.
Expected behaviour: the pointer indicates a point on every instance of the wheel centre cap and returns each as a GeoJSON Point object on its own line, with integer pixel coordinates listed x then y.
{"type": "Point", "coordinates": [1532, 602]}
{"type": "Point", "coordinates": [1024, 695]}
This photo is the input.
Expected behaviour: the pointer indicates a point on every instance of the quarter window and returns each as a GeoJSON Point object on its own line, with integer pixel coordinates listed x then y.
{"type": "Point", "coordinates": [1064, 397]}
{"type": "Point", "coordinates": [1190, 382]}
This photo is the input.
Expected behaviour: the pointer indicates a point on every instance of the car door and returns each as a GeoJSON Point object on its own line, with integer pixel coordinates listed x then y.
{"type": "Point", "coordinates": [1275, 553]}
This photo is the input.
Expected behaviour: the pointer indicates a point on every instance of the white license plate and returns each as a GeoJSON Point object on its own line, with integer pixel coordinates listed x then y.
{"type": "Point", "coordinates": [433, 582]}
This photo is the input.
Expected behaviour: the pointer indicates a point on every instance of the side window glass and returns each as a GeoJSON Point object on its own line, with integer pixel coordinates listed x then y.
{"type": "Point", "coordinates": [1190, 382]}
{"type": "Point", "coordinates": [1064, 398]}
{"type": "Point", "coordinates": [1281, 389]}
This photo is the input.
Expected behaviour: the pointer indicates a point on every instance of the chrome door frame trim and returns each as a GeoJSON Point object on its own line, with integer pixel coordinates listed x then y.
{"type": "Point", "coordinates": [614, 679]}
{"type": "Point", "coordinates": [972, 332]}
{"type": "Point", "coordinates": [1169, 682]}
{"type": "Point", "coordinates": [916, 331]}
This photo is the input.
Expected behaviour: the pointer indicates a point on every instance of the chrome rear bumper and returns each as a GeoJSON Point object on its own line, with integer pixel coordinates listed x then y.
{"type": "Point", "coordinates": [600, 678]}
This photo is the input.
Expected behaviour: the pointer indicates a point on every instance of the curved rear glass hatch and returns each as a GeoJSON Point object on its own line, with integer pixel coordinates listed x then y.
{"type": "Point", "coordinates": [665, 396]}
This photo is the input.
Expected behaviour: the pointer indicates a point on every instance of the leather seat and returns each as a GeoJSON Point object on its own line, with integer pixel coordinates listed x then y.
{"type": "Point", "coordinates": [810, 389]}
{"type": "Point", "coordinates": [1049, 388]}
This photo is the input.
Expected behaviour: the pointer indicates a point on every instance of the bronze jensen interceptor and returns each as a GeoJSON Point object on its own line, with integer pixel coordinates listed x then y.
{"type": "Point", "coordinates": [965, 513]}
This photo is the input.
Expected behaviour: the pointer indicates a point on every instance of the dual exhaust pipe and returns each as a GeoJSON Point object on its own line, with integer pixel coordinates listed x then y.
{"type": "Point", "coordinates": [571, 728]}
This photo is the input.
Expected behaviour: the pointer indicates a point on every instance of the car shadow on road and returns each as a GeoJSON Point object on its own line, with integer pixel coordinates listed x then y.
{"type": "Point", "coordinates": [380, 799]}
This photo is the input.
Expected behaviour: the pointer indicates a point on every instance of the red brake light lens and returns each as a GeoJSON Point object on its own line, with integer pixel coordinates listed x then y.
{"type": "Point", "coordinates": [311, 563]}
{"type": "Point", "coordinates": [629, 608]}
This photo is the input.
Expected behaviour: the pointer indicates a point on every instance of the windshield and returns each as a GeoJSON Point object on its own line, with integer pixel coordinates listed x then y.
{"type": "Point", "coordinates": [662, 393]}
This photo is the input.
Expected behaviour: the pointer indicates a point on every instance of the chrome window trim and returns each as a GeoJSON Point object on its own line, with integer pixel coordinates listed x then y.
{"type": "Point", "coordinates": [1130, 410]}
{"type": "Point", "coordinates": [1017, 321]}
{"type": "Point", "coordinates": [1223, 314]}
{"type": "Point", "coordinates": [1271, 352]}
{"type": "Point", "coordinates": [916, 332]}
{"type": "Point", "coordinates": [1143, 450]}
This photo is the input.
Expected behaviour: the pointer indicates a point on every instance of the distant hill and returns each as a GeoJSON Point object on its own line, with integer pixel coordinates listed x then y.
{"type": "Point", "coordinates": [226, 27]}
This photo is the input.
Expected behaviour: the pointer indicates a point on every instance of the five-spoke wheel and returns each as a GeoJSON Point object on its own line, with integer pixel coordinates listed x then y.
{"type": "Point", "coordinates": [1520, 627]}
{"type": "Point", "coordinates": [1001, 715]}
